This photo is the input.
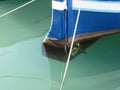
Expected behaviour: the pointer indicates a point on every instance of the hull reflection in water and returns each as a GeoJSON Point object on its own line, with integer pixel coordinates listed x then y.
{"type": "Point", "coordinates": [61, 54]}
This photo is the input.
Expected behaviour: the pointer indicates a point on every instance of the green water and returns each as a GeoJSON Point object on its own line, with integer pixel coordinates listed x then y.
{"type": "Point", "coordinates": [7, 5]}
{"type": "Point", "coordinates": [28, 22]}
{"type": "Point", "coordinates": [98, 69]}
{"type": "Point", "coordinates": [23, 61]}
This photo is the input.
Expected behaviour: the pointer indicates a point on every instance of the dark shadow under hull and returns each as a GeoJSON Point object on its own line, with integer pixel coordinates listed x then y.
{"type": "Point", "coordinates": [56, 48]}
{"type": "Point", "coordinates": [61, 54]}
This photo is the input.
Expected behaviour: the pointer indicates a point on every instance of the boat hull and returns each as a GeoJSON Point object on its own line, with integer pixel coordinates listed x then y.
{"type": "Point", "coordinates": [92, 23]}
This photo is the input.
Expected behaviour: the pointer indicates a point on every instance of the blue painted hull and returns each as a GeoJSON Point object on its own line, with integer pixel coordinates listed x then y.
{"type": "Point", "coordinates": [91, 20]}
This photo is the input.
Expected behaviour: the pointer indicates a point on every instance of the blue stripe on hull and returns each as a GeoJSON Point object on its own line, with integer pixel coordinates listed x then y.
{"type": "Point", "coordinates": [90, 21]}
{"type": "Point", "coordinates": [57, 29]}
{"type": "Point", "coordinates": [94, 22]}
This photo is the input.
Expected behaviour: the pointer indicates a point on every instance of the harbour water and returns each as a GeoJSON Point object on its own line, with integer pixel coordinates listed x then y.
{"type": "Point", "coordinates": [24, 64]}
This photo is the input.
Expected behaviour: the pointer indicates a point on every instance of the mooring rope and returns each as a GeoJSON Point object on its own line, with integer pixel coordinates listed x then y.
{"type": "Point", "coordinates": [69, 54]}
{"type": "Point", "coordinates": [16, 8]}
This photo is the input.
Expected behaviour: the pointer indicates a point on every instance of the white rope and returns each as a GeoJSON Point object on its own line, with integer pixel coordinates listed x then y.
{"type": "Point", "coordinates": [69, 55]}
{"type": "Point", "coordinates": [16, 8]}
